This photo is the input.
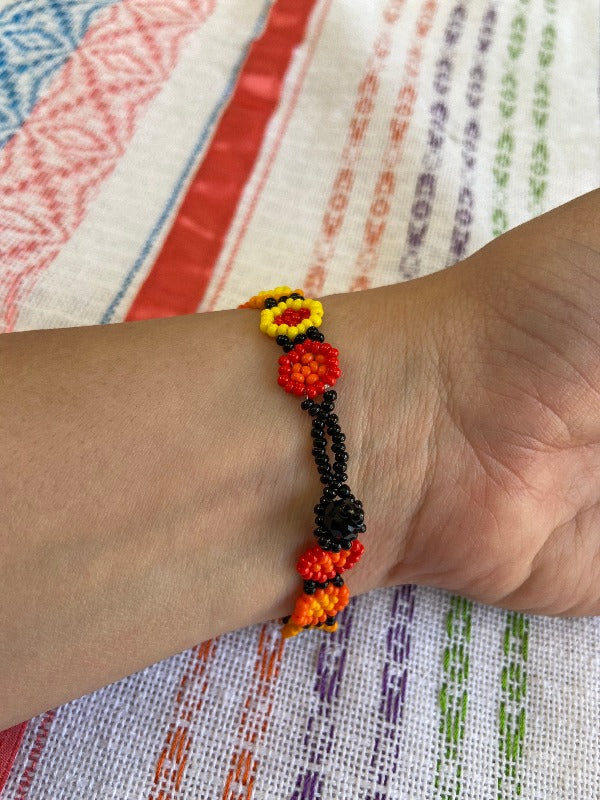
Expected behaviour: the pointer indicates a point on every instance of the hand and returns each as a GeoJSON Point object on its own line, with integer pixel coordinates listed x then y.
{"type": "Point", "coordinates": [507, 346]}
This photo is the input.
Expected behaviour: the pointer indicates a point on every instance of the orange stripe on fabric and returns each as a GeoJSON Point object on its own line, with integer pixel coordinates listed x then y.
{"type": "Point", "coordinates": [311, 47]}
{"type": "Point", "coordinates": [343, 182]}
{"type": "Point", "coordinates": [385, 186]}
{"type": "Point", "coordinates": [184, 266]}
{"type": "Point", "coordinates": [173, 756]}
{"type": "Point", "coordinates": [253, 725]}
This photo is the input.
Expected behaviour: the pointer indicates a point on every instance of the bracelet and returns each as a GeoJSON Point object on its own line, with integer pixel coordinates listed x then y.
{"type": "Point", "coordinates": [310, 368]}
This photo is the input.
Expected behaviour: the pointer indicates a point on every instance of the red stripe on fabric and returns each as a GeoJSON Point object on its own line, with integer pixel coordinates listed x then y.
{"type": "Point", "coordinates": [35, 754]}
{"type": "Point", "coordinates": [178, 280]}
{"type": "Point", "coordinates": [10, 741]}
{"type": "Point", "coordinates": [210, 304]}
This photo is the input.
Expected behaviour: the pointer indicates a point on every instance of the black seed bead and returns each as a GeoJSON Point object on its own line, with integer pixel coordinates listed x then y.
{"type": "Point", "coordinates": [328, 493]}
{"type": "Point", "coordinates": [318, 508]}
{"type": "Point", "coordinates": [322, 461]}
{"type": "Point", "coordinates": [317, 433]}
{"type": "Point", "coordinates": [288, 347]}
{"type": "Point", "coordinates": [335, 485]}
{"type": "Point", "coordinates": [324, 479]}
{"type": "Point", "coordinates": [338, 581]}
{"type": "Point", "coordinates": [310, 587]}
{"type": "Point", "coordinates": [341, 476]}
{"type": "Point", "coordinates": [333, 419]}
{"type": "Point", "coordinates": [319, 520]}
{"type": "Point", "coordinates": [338, 438]}
{"type": "Point", "coordinates": [338, 448]}
{"type": "Point", "coordinates": [342, 458]}
{"type": "Point", "coordinates": [344, 490]}
{"type": "Point", "coordinates": [362, 528]}
{"type": "Point", "coordinates": [283, 298]}
{"type": "Point", "coordinates": [296, 296]}
{"type": "Point", "coordinates": [301, 337]}
{"type": "Point", "coordinates": [325, 472]}
{"type": "Point", "coordinates": [330, 395]}
{"type": "Point", "coordinates": [326, 409]}
{"type": "Point", "coordinates": [312, 332]}
{"type": "Point", "coordinates": [270, 302]}
{"type": "Point", "coordinates": [281, 340]}
{"type": "Point", "coordinates": [318, 424]}
{"type": "Point", "coordinates": [307, 403]}
{"type": "Point", "coordinates": [320, 532]}
{"type": "Point", "coordinates": [319, 338]}
{"type": "Point", "coordinates": [330, 620]}
{"type": "Point", "coordinates": [314, 410]}
{"type": "Point", "coordinates": [285, 620]}
{"type": "Point", "coordinates": [317, 452]}
{"type": "Point", "coordinates": [336, 547]}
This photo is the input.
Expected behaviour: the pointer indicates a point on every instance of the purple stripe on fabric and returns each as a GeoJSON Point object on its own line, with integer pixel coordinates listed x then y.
{"type": "Point", "coordinates": [320, 730]}
{"type": "Point", "coordinates": [463, 217]}
{"type": "Point", "coordinates": [386, 751]}
{"type": "Point", "coordinates": [425, 188]}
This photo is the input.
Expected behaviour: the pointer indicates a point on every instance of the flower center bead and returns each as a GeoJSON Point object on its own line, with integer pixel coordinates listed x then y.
{"type": "Point", "coordinates": [292, 317]}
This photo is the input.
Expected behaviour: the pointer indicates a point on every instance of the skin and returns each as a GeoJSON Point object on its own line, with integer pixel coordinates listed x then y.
{"type": "Point", "coordinates": [158, 485]}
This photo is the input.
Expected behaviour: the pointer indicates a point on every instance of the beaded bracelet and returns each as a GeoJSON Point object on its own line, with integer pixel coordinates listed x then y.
{"type": "Point", "coordinates": [309, 368]}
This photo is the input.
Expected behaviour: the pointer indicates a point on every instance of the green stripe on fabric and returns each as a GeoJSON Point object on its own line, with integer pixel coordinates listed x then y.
{"type": "Point", "coordinates": [453, 699]}
{"type": "Point", "coordinates": [513, 687]}
{"type": "Point", "coordinates": [512, 705]}
{"type": "Point", "coordinates": [512, 713]}
{"type": "Point", "coordinates": [540, 157]}
{"type": "Point", "coordinates": [506, 140]}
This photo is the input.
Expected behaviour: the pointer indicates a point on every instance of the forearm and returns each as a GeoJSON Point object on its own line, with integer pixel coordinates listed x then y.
{"type": "Point", "coordinates": [158, 488]}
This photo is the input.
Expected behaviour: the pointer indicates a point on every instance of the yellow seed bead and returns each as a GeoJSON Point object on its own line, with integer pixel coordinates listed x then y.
{"type": "Point", "coordinates": [301, 327]}
{"type": "Point", "coordinates": [296, 304]}
{"type": "Point", "coordinates": [272, 330]}
{"type": "Point", "coordinates": [282, 329]}
{"type": "Point", "coordinates": [292, 332]}
{"type": "Point", "coordinates": [264, 326]}
{"type": "Point", "coordinates": [316, 321]}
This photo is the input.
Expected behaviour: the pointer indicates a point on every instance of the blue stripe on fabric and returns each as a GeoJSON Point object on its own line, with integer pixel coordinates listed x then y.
{"type": "Point", "coordinates": [36, 38]}
{"type": "Point", "coordinates": [189, 165]}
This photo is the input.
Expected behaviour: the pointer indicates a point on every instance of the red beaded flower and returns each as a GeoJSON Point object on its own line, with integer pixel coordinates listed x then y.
{"type": "Point", "coordinates": [308, 368]}
{"type": "Point", "coordinates": [320, 565]}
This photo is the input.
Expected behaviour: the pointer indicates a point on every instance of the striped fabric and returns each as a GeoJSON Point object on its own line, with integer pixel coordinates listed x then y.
{"type": "Point", "coordinates": [367, 143]}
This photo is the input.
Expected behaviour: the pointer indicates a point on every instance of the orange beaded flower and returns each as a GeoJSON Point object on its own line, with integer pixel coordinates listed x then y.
{"type": "Point", "coordinates": [312, 609]}
{"type": "Point", "coordinates": [308, 368]}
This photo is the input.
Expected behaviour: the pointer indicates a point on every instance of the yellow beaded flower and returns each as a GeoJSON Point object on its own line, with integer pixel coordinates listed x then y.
{"type": "Point", "coordinates": [291, 317]}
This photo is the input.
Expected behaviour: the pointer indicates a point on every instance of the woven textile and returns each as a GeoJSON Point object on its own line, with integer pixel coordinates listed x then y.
{"type": "Point", "coordinates": [367, 143]}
